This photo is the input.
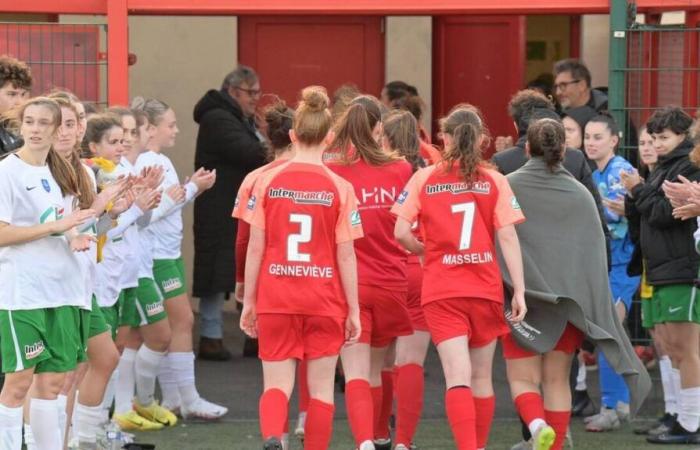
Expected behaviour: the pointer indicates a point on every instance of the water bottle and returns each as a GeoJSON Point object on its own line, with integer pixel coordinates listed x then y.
{"type": "Point", "coordinates": [114, 436]}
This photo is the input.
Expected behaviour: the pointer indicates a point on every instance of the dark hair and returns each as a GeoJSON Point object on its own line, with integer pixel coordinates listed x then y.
{"type": "Point", "coordinates": [466, 126]}
{"type": "Point", "coordinates": [546, 138]}
{"type": "Point", "coordinates": [312, 119]}
{"type": "Point", "coordinates": [578, 70]}
{"type": "Point", "coordinates": [99, 125]}
{"type": "Point", "coordinates": [581, 115]}
{"type": "Point", "coordinates": [355, 127]}
{"type": "Point", "coordinates": [397, 89]}
{"type": "Point", "coordinates": [279, 119]}
{"type": "Point", "coordinates": [400, 128]}
{"type": "Point", "coordinates": [239, 75]}
{"type": "Point", "coordinates": [544, 82]}
{"type": "Point", "coordinates": [608, 120]}
{"type": "Point", "coordinates": [91, 108]}
{"type": "Point", "coordinates": [411, 103]}
{"type": "Point", "coordinates": [670, 117]}
{"type": "Point", "coordinates": [523, 103]}
{"type": "Point", "coordinates": [15, 72]}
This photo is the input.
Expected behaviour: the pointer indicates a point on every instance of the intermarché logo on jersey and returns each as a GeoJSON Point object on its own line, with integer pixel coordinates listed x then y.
{"type": "Point", "coordinates": [33, 350]}
{"type": "Point", "coordinates": [323, 198]}
{"type": "Point", "coordinates": [478, 187]}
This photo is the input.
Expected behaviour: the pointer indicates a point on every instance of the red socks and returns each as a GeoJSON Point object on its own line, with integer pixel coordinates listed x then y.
{"type": "Point", "coordinates": [303, 384]}
{"type": "Point", "coordinates": [319, 425]}
{"type": "Point", "coordinates": [459, 405]}
{"type": "Point", "coordinates": [559, 420]}
{"type": "Point", "coordinates": [381, 421]}
{"type": "Point", "coordinates": [377, 394]}
{"type": "Point", "coordinates": [358, 401]}
{"type": "Point", "coordinates": [409, 401]}
{"type": "Point", "coordinates": [485, 407]}
{"type": "Point", "coordinates": [273, 413]}
{"type": "Point", "coordinates": [530, 406]}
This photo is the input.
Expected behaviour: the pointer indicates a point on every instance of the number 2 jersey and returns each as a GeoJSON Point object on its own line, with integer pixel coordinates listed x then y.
{"type": "Point", "coordinates": [306, 211]}
{"type": "Point", "coordinates": [458, 221]}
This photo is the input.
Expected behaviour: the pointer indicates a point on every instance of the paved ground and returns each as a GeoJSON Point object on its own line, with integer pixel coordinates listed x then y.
{"type": "Point", "coordinates": [237, 384]}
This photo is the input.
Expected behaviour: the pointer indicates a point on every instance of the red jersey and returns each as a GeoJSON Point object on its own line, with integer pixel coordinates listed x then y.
{"type": "Point", "coordinates": [429, 153]}
{"type": "Point", "coordinates": [458, 221]}
{"type": "Point", "coordinates": [380, 260]}
{"type": "Point", "coordinates": [305, 210]}
{"type": "Point", "coordinates": [243, 231]}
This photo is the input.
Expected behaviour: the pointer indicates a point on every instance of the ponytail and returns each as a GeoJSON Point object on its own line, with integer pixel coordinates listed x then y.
{"type": "Point", "coordinates": [546, 139]}
{"type": "Point", "coordinates": [400, 128]}
{"type": "Point", "coordinates": [467, 129]}
{"type": "Point", "coordinates": [355, 127]}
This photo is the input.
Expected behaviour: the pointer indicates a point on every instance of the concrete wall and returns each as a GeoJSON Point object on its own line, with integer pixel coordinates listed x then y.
{"type": "Point", "coordinates": [595, 39]}
{"type": "Point", "coordinates": [205, 50]}
{"type": "Point", "coordinates": [409, 55]}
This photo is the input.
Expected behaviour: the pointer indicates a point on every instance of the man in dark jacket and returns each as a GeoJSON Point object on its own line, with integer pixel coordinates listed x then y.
{"type": "Point", "coordinates": [228, 141]}
{"type": "Point", "coordinates": [15, 83]}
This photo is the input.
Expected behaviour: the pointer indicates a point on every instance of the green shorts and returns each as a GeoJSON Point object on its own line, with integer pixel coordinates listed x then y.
{"type": "Point", "coordinates": [50, 340]}
{"type": "Point", "coordinates": [113, 314]}
{"type": "Point", "coordinates": [146, 307]}
{"type": "Point", "coordinates": [677, 303]}
{"type": "Point", "coordinates": [648, 313]}
{"type": "Point", "coordinates": [98, 324]}
{"type": "Point", "coordinates": [169, 274]}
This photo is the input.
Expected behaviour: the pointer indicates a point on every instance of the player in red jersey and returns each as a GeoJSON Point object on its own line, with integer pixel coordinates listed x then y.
{"type": "Point", "coordinates": [378, 178]}
{"type": "Point", "coordinates": [300, 297]}
{"type": "Point", "coordinates": [463, 206]}
{"type": "Point", "coordinates": [400, 134]}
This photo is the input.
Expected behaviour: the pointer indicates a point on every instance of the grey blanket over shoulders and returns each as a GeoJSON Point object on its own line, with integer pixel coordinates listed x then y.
{"type": "Point", "coordinates": [566, 277]}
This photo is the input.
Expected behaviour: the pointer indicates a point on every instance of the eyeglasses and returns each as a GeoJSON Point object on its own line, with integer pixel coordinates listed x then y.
{"type": "Point", "coordinates": [251, 92]}
{"type": "Point", "coordinates": [564, 84]}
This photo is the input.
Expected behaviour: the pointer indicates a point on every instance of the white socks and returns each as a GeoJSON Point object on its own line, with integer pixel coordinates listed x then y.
{"type": "Point", "coordinates": [666, 370]}
{"type": "Point", "coordinates": [689, 409]}
{"type": "Point", "coordinates": [146, 369]}
{"type": "Point", "coordinates": [581, 378]}
{"type": "Point", "coordinates": [10, 428]}
{"type": "Point", "coordinates": [535, 425]}
{"type": "Point", "coordinates": [61, 403]}
{"type": "Point", "coordinates": [43, 414]}
{"type": "Point", "coordinates": [87, 423]}
{"type": "Point", "coordinates": [124, 389]}
{"type": "Point", "coordinates": [29, 437]}
{"type": "Point", "coordinates": [167, 380]}
{"type": "Point", "coordinates": [676, 383]}
{"type": "Point", "coordinates": [182, 365]}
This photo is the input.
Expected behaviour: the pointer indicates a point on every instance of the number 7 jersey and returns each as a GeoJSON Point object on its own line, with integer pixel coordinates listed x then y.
{"type": "Point", "coordinates": [306, 211]}
{"type": "Point", "coordinates": [458, 221]}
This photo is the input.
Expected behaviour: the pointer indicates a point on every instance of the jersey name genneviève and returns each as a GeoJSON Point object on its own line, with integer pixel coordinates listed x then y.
{"type": "Point", "coordinates": [306, 211]}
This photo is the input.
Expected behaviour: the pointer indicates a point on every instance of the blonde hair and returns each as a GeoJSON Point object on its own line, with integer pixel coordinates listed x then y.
{"type": "Point", "coordinates": [153, 109]}
{"type": "Point", "coordinates": [312, 119]}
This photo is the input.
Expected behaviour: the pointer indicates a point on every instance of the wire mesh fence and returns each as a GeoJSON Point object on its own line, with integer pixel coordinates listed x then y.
{"type": "Point", "coordinates": [61, 56]}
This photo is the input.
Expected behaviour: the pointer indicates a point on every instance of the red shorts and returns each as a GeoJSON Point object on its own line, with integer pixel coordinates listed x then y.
{"type": "Point", "coordinates": [481, 320]}
{"type": "Point", "coordinates": [383, 315]}
{"type": "Point", "coordinates": [414, 273]}
{"type": "Point", "coordinates": [286, 336]}
{"type": "Point", "coordinates": [570, 341]}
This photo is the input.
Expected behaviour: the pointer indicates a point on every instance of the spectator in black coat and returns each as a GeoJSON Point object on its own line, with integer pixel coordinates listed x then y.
{"type": "Point", "coordinates": [15, 83]}
{"type": "Point", "coordinates": [229, 141]}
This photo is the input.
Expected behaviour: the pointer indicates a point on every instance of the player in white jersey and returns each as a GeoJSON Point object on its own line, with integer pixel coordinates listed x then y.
{"type": "Point", "coordinates": [40, 275]}
{"type": "Point", "coordinates": [141, 305]}
{"type": "Point", "coordinates": [164, 233]}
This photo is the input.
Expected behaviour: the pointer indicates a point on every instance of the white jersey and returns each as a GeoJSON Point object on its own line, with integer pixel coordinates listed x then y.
{"type": "Point", "coordinates": [43, 273]}
{"type": "Point", "coordinates": [88, 258]}
{"type": "Point", "coordinates": [164, 233]}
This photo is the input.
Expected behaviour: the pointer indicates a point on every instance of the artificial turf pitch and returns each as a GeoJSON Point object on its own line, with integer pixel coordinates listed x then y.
{"type": "Point", "coordinates": [432, 434]}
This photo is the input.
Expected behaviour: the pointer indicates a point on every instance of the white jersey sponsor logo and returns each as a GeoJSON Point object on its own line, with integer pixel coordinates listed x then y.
{"type": "Point", "coordinates": [154, 308]}
{"type": "Point", "coordinates": [478, 187]}
{"type": "Point", "coordinates": [34, 350]}
{"type": "Point", "coordinates": [171, 284]}
{"type": "Point", "coordinates": [323, 198]}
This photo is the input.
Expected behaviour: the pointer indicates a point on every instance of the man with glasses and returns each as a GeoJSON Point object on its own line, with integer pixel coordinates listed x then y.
{"type": "Point", "coordinates": [572, 86]}
{"type": "Point", "coordinates": [229, 141]}
{"type": "Point", "coordinates": [572, 89]}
